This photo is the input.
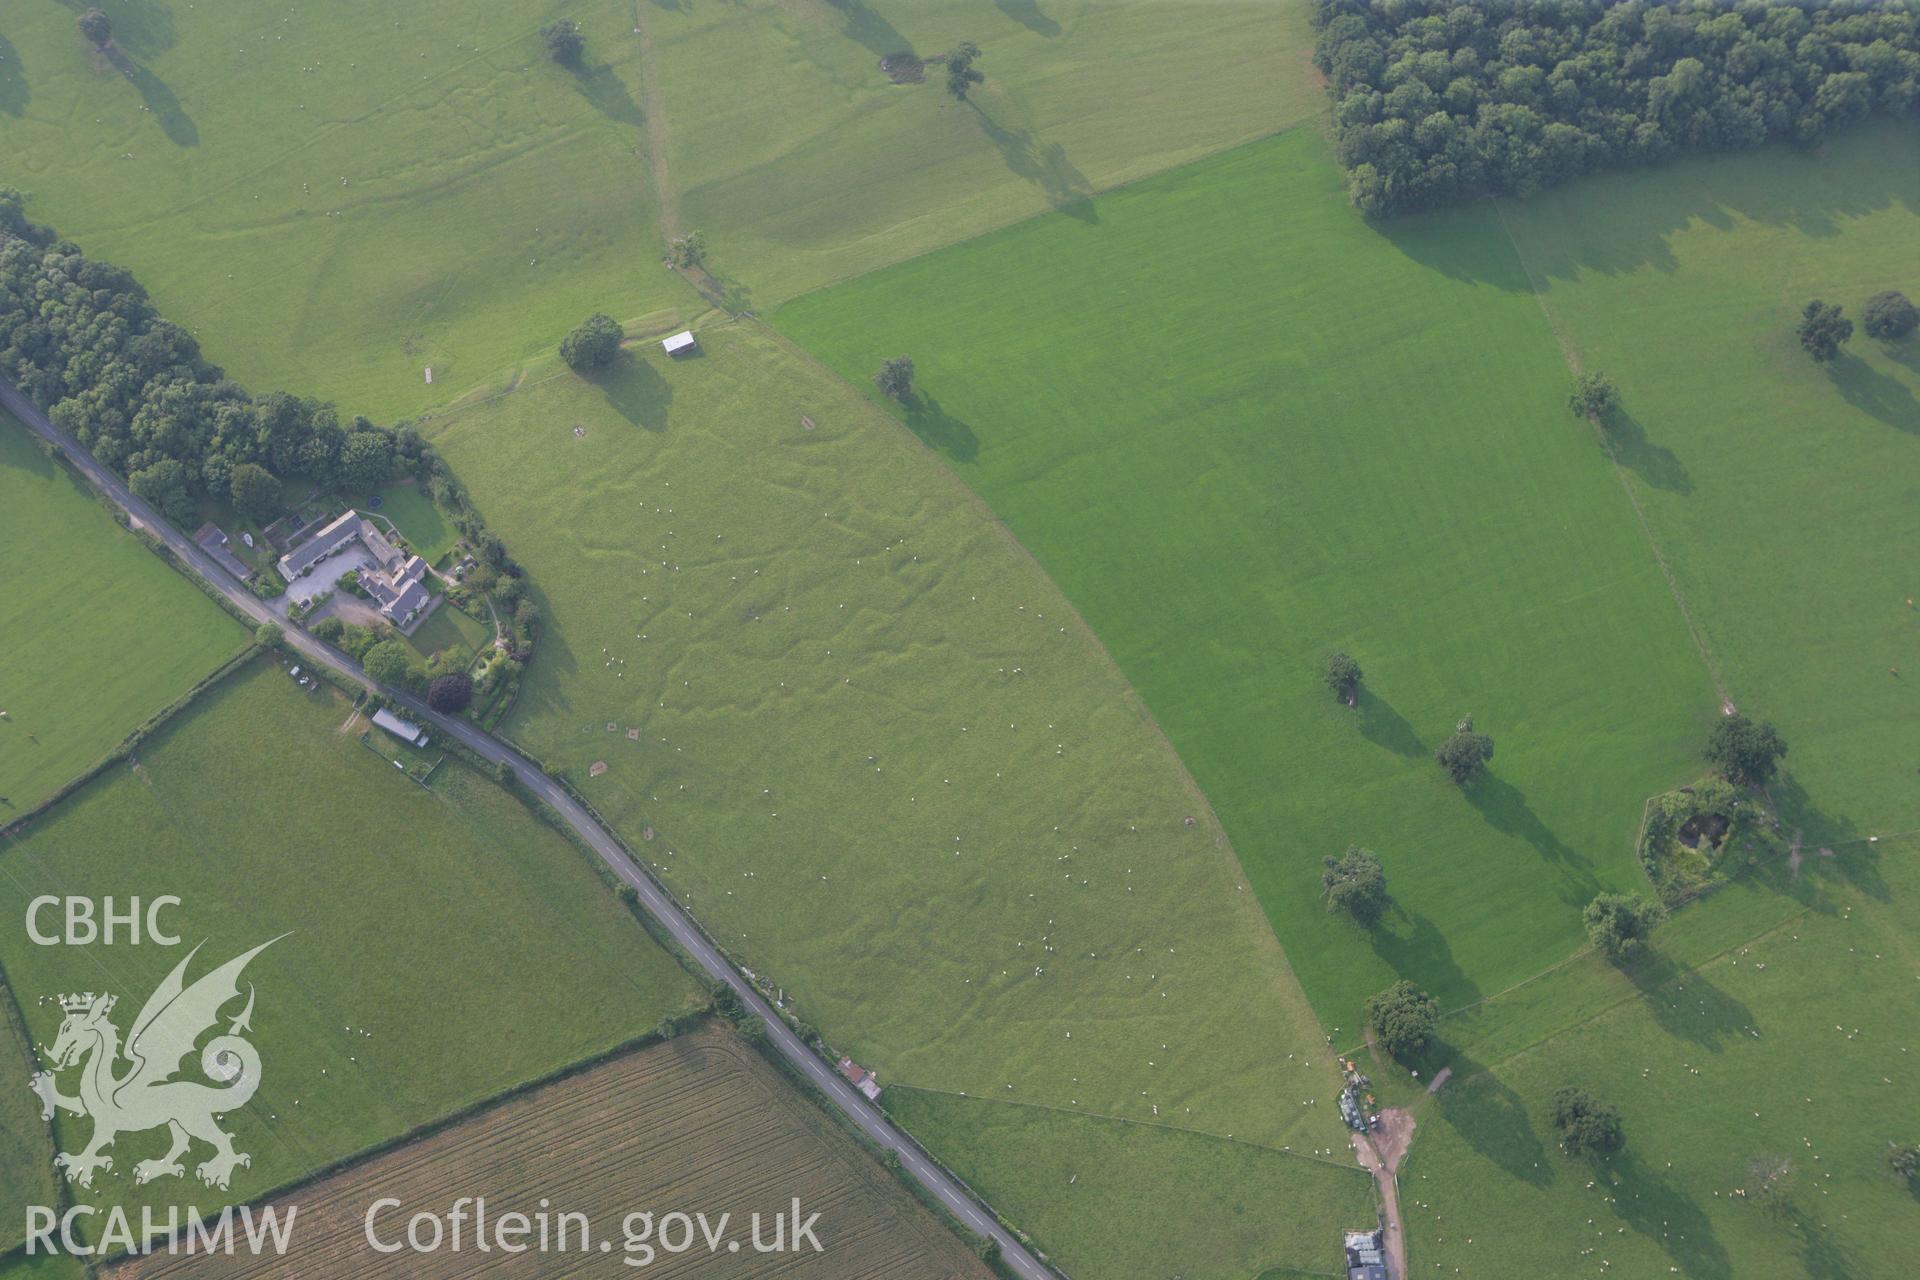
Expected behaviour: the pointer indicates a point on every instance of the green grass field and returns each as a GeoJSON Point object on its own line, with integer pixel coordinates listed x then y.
{"type": "Point", "coordinates": [1277, 432]}
{"type": "Point", "coordinates": [1131, 1202]}
{"type": "Point", "coordinates": [1792, 1040]}
{"type": "Point", "coordinates": [423, 524]}
{"type": "Point", "coordinates": [825, 169]}
{"type": "Point", "coordinates": [1782, 492]}
{"type": "Point", "coordinates": [26, 1147]}
{"type": "Point", "coordinates": [881, 759]}
{"type": "Point", "coordinates": [96, 634]}
{"type": "Point", "coordinates": [444, 945]}
{"type": "Point", "coordinates": [490, 198]}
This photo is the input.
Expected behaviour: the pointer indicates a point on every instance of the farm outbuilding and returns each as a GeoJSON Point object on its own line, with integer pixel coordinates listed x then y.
{"type": "Point", "coordinates": [405, 730]}
{"type": "Point", "coordinates": [680, 343]}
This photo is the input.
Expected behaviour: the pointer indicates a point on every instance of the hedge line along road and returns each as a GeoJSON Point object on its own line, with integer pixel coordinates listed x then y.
{"type": "Point", "coordinates": [679, 925]}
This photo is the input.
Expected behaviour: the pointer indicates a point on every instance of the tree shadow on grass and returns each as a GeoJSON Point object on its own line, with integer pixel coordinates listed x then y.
{"type": "Point", "coordinates": [1688, 1006]}
{"type": "Point", "coordinates": [1414, 948]}
{"type": "Point", "coordinates": [1905, 351]}
{"type": "Point", "coordinates": [1655, 1207]}
{"type": "Point", "coordinates": [14, 93]}
{"type": "Point", "coordinates": [607, 93]}
{"type": "Point", "coordinates": [636, 391]}
{"type": "Point", "coordinates": [1879, 395]}
{"type": "Point", "coordinates": [871, 31]}
{"type": "Point", "coordinates": [949, 435]}
{"type": "Point", "coordinates": [1381, 725]}
{"type": "Point", "coordinates": [1854, 859]}
{"type": "Point", "coordinates": [1505, 809]}
{"type": "Point", "coordinates": [1028, 15]}
{"type": "Point", "coordinates": [1489, 1117]}
{"type": "Point", "coordinates": [1655, 464]}
{"type": "Point", "coordinates": [1045, 165]}
{"type": "Point", "coordinates": [160, 100]}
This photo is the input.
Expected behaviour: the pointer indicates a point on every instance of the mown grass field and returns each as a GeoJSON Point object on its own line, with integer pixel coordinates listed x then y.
{"type": "Point", "coordinates": [879, 757]}
{"type": "Point", "coordinates": [699, 1124]}
{"type": "Point", "coordinates": [96, 634]}
{"type": "Point", "coordinates": [1131, 1202]}
{"type": "Point", "coordinates": [825, 169]}
{"type": "Point", "coordinates": [1279, 431]}
{"type": "Point", "coordinates": [334, 197]}
{"type": "Point", "coordinates": [1745, 1040]}
{"type": "Point", "coordinates": [1782, 492]}
{"type": "Point", "coordinates": [444, 945]}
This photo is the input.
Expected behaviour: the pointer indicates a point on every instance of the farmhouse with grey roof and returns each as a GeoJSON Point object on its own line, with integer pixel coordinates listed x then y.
{"type": "Point", "coordinates": [397, 582]}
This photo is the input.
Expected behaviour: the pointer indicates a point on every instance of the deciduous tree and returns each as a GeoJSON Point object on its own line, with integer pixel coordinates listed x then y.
{"type": "Point", "coordinates": [1889, 316]}
{"type": "Point", "coordinates": [1403, 1018]}
{"type": "Point", "coordinates": [1342, 675]}
{"type": "Point", "coordinates": [593, 343]}
{"type": "Point", "coordinates": [1747, 752]}
{"type": "Point", "coordinates": [1355, 884]}
{"type": "Point", "coordinates": [1594, 396]}
{"type": "Point", "coordinates": [1620, 923]}
{"type": "Point", "coordinates": [1465, 753]}
{"type": "Point", "coordinates": [1822, 330]}
{"type": "Point", "coordinates": [1587, 1126]}
{"type": "Point", "coordinates": [895, 378]}
{"type": "Point", "coordinates": [565, 45]}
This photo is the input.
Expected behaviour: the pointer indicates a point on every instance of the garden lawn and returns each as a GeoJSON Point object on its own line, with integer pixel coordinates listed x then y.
{"type": "Point", "coordinates": [1782, 492]}
{"type": "Point", "coordinates": [1137, 1202]}
{"type": "Point", "coordinates": [441, 946]}
{"type": "Point", "coordinates": [1795, 1042]}
{"type": "Point", "coordinates": [1241, 427]}
{"type": "Point", "coordinates": [802, 164]}
{"type": "Point", "coordinates": [96, 633]}
{"type": "Point", "coordinates": [858, 731]}
{"type": "Point", "coordinates": [422, 523]}
{"type": "Point", "coordinates": [334, 197]}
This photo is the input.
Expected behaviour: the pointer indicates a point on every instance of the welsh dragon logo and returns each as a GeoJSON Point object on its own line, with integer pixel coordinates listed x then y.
{"type": "Point", "coordinates": [146, 1095]}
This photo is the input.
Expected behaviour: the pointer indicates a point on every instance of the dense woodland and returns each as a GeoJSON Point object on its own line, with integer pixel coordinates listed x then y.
{"type": "Point", "coordinates": [1437, 100]}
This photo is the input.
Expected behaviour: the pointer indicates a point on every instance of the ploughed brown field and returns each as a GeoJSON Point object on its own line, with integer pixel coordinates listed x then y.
{"type": "Point", "coordinates": [698, 1124]}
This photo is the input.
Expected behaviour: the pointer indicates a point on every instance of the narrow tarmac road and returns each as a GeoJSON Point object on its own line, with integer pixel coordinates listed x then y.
{"type": "Point", "coordinates": [679, 925]}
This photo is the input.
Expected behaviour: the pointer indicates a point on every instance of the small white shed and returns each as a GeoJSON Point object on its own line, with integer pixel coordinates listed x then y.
{"type": "Point", "coordinates": [680, 343]}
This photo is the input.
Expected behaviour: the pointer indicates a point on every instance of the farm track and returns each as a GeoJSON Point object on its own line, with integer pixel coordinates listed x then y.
{"type": "Point", "coordinates": [652, 897]}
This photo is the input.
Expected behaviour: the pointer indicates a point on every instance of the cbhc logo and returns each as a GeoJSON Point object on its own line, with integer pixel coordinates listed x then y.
{"type": "Point", "coordinates": [85, 924]}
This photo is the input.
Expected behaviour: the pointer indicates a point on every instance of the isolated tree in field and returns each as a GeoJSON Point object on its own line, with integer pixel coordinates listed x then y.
{"type": "Point", "coordinates": [961, 73]}
{"type": "Point", "coordinates": [255, 492]}
{"type": "Point", "coordinates": [450, 693]}
{"type": "Point", "coordinates": [1904, 1159]}
{"type": "Point", "coordinates": [1342, 675]}
{"type": "Point", "coordinates": [1355, 884]}
{"type": "Point", "coordinates": [593, 343]}
{"type": "Point", "coordinates": [1889, 316]}
{"type": "Point", "coordinates": [391, 663]}
{"type": "Point", "coordinates": [1403, 1017]}
{"type": "Point", "coordinates": [1620, 923]}
{"type": "Point", "coordinates": [97, 27]}
{"type": "Point", "coordinates": [1464, 754]}
{"type": "Point", "coordinates": [1587, 1126]}
{"type": "Point", "coordinates": [268, 635]}
{"type": "Point", "coordinates": [1594, 396]}
{"type": "Point", "coordinates": [1823, 329]}
{"type": "Point", "coordinates": [688, 250]}
{"type": "Point", "coordinates": [565, 45]}
{"type": "Point", "coordinates": [895, 378]}
{"type": "Point", "coordinates": [1747, 752]}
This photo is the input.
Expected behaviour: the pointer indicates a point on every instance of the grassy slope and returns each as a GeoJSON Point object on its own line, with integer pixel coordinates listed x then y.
{"type": "Point", "coordinates": [1279, 431]}
{"type": "Point", "coordinates": [477, 948]}
{"type": "Point", "coordinates": [96, 633]}
{"type": "Point", "coordinates": [885, 763]}
{"type": "Point", "coordinates": [1130, 1202]}
{"type": "Point", "coordinates": [492, 197]}
{"type": "Point", "coordinates": [1782, 492]}
{"type": "Point", "coordinates": [803, 165]}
